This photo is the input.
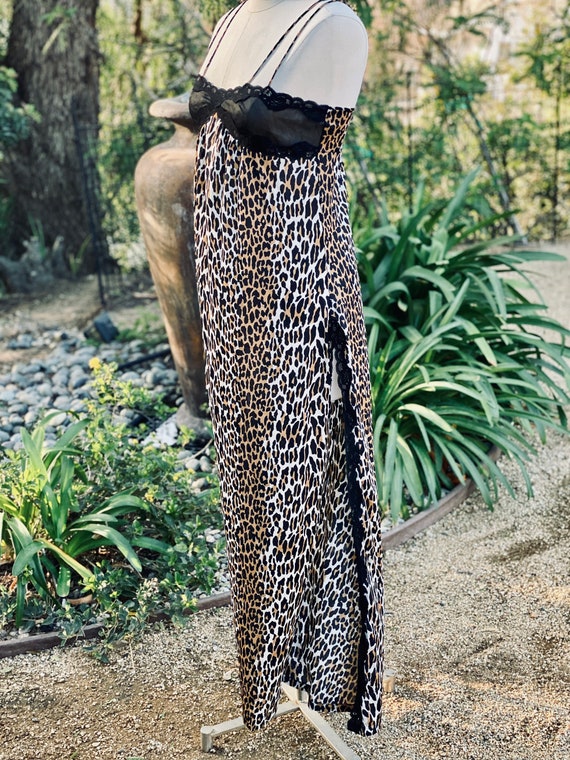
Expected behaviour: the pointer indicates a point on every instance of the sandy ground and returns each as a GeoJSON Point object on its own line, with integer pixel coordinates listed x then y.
{"type": "Point", "coordinates": [478, 630]}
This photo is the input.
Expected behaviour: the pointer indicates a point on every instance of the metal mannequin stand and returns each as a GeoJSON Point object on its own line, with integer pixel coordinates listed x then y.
{"type": "Point", "coordinates": [296, 701]}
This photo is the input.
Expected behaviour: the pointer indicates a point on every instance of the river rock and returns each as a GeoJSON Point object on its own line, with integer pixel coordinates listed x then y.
{"type": "Point", "coordinates": [19, 380]}
{"type": "Point", "coordinates": [30, 417]}
{"type": "Point", "coordinates": [61, 377]}
{"type": "Point", "coordinates": [18, 408]}
{"type": "Point", "coordinates": [77, 380]}
{"type": "Point", "coordinates": [56, 421]}
{"type": "Point", "coordinates": [21, 342]}
{"type": "Point", "coordinates": [151, 377]}
{"type": "Point", "coordinates": [62, 402]}
{"type": "Point", "coordinates": [7, 397]}
{"type": "Point", "coordinates": [78, 406]}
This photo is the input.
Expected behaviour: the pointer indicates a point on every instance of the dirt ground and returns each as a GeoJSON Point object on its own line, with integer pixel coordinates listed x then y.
{"type": "Point", "coordinates": [478, 631]}
{"type": "Point", "coordinates": [70, 305]}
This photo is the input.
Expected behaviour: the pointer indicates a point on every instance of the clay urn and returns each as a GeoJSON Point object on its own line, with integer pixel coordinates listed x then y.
{"type": "Point", "coordinates": [164, 179]}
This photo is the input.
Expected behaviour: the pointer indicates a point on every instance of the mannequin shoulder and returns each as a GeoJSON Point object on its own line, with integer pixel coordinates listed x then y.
{"type": "Point", "coordinates": [226, 20]}
{"type": "Point", "coordinates": [327, 63]}
{"type": "Point", "coordinates": [341, 10]}
{"type": "Point", "coordinates": [338, 29]}
{"type": "Point", "coordinates": [339, 38]}
{"type": "Point", "coordinates": [340, 18]}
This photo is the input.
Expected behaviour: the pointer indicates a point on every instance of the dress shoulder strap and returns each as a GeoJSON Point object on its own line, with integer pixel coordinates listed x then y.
{"type": "Point", "coordinates": [308, 16]}
{"type": "Point", "coordinates": [219, 35]}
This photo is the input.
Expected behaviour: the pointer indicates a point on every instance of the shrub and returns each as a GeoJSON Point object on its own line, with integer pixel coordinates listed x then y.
{"type": "Point", "coordinates": [106, 492]}
{"type": "Point", "coordinates": [459, 361]}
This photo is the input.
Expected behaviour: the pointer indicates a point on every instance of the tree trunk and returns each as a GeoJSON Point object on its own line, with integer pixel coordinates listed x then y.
{"type": "Point", "coordinates": [53, 48]}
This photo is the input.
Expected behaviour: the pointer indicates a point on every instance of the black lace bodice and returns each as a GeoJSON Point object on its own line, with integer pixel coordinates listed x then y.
{"type": "Point", "coordinates": [260, 118]}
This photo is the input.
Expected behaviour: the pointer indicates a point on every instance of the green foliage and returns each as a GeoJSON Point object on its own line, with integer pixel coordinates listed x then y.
{"type": "Point", "coordinates": [213, 10]}
{"type": "Point", "coordinates": [14, 119]}
{"type": "Point", "coordinates": [118, 394]}
{"type": "Point", "coordinates": [459, 358]}
{"type": "Point", "coordinates": [47, 528]}
{"type": "Point", "coordinates": [143, 60]}
{"type": "Point", "coordinates": [60, 19]}
{"type": "Point", "coordinates": [547, 55]}
{"type": "Point", "coordinates": [105, 492]}
{"type": "Point", "coordinates": [15, 123]}
{"type": "Point", "coordinates": [148, 329]}
{"type": "Point", "coordinates": [458, 86]}
{"type": "Point", "coordinates": [431, 109]}
{"type": "Point", "coordinates": [427, 107]}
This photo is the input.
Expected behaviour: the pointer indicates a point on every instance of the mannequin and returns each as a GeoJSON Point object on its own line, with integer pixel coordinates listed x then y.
{"type": "Point", "coordinates": [326, 64]}
{"type": "Point", "coordinates": [286, 357]}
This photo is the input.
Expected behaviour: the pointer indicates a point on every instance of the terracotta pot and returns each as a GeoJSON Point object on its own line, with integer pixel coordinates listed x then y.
{"type": "Point", "coordinates": [164, 180]}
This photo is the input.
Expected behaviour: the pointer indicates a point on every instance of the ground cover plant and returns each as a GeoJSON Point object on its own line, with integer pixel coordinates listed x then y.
{"type": "Point", "coordinates": [458, 353]}
{"type": "Point", "coordinates": [107, 524]}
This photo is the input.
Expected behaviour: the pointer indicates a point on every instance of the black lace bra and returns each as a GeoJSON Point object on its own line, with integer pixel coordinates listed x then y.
{"type": "Point", "coordinates": [260, 118]}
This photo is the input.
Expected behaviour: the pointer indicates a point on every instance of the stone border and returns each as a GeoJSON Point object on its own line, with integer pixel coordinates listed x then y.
{"type": "Point", "coordinates": [390, 540]}
{"type": "Point", "coordinates": [40, 641]}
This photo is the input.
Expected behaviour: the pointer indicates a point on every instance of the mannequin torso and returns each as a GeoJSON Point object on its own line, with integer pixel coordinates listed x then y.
{"type": "Point", "coordinates": [325, 64]}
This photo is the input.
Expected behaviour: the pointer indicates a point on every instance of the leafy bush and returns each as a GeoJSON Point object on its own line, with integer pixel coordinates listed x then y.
{"type": "Point", "coordinates": [144, 58]}
{"type": "Point", "coordinates": [15, 122]}
{"type": "Point", "coordinates": [14, 119]}
{"type": "Point", "coordinates": [459, 361]}
{"type": "Point", "coordinates": [46, 527]}
{"type": "Point", "coordinates": [105, 492]}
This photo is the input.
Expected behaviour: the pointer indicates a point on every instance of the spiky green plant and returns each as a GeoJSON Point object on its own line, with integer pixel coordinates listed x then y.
{"type": "Point", "coordinates": [458, 354]}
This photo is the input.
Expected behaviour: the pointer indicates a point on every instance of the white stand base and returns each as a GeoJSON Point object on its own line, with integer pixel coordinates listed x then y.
{"type": "Point", "coordinates": [296, 701]}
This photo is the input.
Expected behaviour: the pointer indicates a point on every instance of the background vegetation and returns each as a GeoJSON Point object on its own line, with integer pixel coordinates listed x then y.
{"type": "Point", "coordinates": [454, 85]}
{"type": "Point", "coordinates": [455, 328]}
{"type": "Point", "coordinates": [450, 85]}
{"type": "Point", "coordinates": [107, 524]}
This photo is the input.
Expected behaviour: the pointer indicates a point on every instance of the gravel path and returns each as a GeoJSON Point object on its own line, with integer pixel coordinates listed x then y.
{"type": "Point", "coordinates": [478, 630]}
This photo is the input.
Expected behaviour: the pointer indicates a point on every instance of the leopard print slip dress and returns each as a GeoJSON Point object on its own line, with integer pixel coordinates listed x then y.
{"type": "Point", "coordinates": [281, 308]}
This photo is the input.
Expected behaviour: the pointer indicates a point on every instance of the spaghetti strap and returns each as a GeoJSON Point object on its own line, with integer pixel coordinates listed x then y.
{"type": "Point", "coordinates": [318, 5]}
{"type": "Point", "coordinates": [219, 36]}
{"type": "Point", "coordinates": [311, 12]}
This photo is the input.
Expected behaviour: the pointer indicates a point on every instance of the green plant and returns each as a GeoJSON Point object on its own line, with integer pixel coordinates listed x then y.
{"type": "Point", "coordinates": [115, 394]}
{"type": "Point", "coordinates": [175, 511]}
{"type": "Point", "coordinates": [166, 44]}
{"type": "Point", "coordinates": [459, 361]}
{"type": "Point", "coordinates": [104, 472]}
{"type": "Point", "coordinates": [148, 328]}
{"type": "Point", "coordinates": [45, 526]}
{"type": "Point", "coordinates": [14, 119]}
{"type": "Point", "coordinates": [429, 109]}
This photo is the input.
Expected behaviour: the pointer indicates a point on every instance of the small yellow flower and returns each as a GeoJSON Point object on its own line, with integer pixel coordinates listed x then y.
{"type": "Point", "coordinates": [95, 363]}
{"type": "Point", "coordinates": [150, 495]}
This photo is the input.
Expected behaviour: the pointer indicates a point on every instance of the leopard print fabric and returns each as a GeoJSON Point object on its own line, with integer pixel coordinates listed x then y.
{"type": "Point", "coordinates": [280, 303]}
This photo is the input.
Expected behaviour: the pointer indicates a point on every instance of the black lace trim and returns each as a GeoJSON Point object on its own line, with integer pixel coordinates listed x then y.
{"type": "Point", "coordinates": [274, 100]}
{"type": "Point", "coordinates": [305, 116]}
{"type": "Point", "coordinates": [354, 451]}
